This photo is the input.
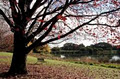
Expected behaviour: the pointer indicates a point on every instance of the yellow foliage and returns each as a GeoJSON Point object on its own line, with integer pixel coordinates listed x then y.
{"type": "Point", "coordinates": [29, 45]}
{"type": "Point", "coordinates": [44, 49]}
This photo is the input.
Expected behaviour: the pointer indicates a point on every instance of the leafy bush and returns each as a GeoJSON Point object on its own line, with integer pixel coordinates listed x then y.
{"type": "Point", "coordinates": [6, 44]}
{"type": "Point", "coordinates": [55, 49]}
{"type": "Point", "coordinates": [103, 59]}
{"type": "Point", "coordinates": [115, 61]}
{"type": "Point", "coordinates": [42, 49]}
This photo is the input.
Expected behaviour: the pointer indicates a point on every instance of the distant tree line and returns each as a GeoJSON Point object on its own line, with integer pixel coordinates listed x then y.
{"type": "Point", "coordinates": [72, 49]}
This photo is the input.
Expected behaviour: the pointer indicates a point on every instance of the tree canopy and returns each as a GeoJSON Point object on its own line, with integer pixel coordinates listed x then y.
{"type": "Point", "coordinates": [50, 20]}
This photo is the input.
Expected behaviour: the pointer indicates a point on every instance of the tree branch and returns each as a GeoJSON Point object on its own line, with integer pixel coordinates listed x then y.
{"type": "Point", "coordinates": [105, 25]}
{"type": "Point", "coordinates": [53, 20]}
{"type": "Point", "coordinates": [6, 18]}
{"type": "Point", "coordinates": [80, 2]}
{"type": "Point", "coordinates": [37, 4]}
{"type": "Point", "coordinates": [56, 38]}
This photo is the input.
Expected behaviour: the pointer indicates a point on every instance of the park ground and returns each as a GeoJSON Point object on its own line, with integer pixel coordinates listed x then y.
{"type": "Point", "coordinates": [56, 69]}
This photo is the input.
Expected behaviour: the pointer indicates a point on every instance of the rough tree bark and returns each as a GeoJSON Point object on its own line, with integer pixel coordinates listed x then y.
{"type": "Point", "coordinates": [18, 65]}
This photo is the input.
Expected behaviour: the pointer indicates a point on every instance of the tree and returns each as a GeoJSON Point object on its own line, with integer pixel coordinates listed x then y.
{"type": "Point", "coordinates": [6, 44]}
{"type": "Point", "coordinates": [70, 46]}
{"type": "Point", "coordinates": [103, 45]}
{"type": "Point", "coordinates": [55, 20]}
{"type": "Point", "coordinates": [6, 37]}
{"type": "Point", "coordinates": [56, 49]}
{"type": "Point", "coordinates": [42, 49]}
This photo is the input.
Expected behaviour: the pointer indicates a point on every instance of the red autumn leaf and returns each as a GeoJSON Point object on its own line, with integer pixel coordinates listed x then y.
{"type": "Point", "coordinates": [53, 32]}
{"type": "Point", "coordinates": [93, 34]}
{"type": "Point", "coordinates": [112, 30]}
{"type": "Point", "coordinates": [69, 35]}
{"type": "Point", "coordinates": [59, 16]}
{"type": "Point", "coordinates": [12, 7]}
{"type": "Point", "coordinates": [23, 32]}
{"type": "Point", "coordinates": [17, 29]}
{"type": "Point", "coordinates": [95, 4]}
{"type": "Point", "coordinates": [80, 29]}
{"type": "Point", "coordinates": [46, 28]}
{"type": "Point", "coordinates": [12, 1]}
{"type": "Point", "coordinates": [53, 35]}
{"type": "Point", "coordinates": [96, 0]}
{"type": "Point", "coordinates": [117, 37]}
{"type": "Point", "coordinates": [54, 26]}
{"type": "Point", "coordinates": [12, 22]}
{"type": "Point", "coordinates": [60, 31]}
{"type": "Point", "coordinates": [103, 36]}
{"type": "Point", "coordinates": [40, 20]}
{"type": "Point", "coordinates": [118, 46]}
{"type": "Point", "coordinates": [15, 2]}
{"type": "Point", "coordinates": [114, 40]}
{"type": "Point", "coordinates": [58, 36]}
{"type": "Point", "coordinates": [63, 18]}
{"type": "Point", "coordinates": [115, 2]}
{"type": "Point", "coordinates": [15, 16]}
{"type": "Point", "coordinates": [28, 19]}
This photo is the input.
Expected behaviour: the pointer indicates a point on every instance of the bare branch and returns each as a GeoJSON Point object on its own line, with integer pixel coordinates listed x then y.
{"type": "Point", "coordinates": [6, 18]}
{"type": "Point", "coordinates": [37, 4]}
{"type": "Point", "coordinates": [56, 38]}
{"type": "Point", "coordinates": [81, 2]}
{"type": "Point", "coordinates": [52, 21]}
{"type": "Point", "coordinates": [105, 25]}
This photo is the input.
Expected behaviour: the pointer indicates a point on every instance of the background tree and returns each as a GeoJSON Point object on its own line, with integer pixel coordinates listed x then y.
{"type": "Point", "coordinates": [70, 46]}
{"type": "Point", "coordinates": [103, 45]}
{"type": "Point", "coordinates": [56, 49]}
{"type": "Point", "coordinates": [6, 37]}
{"type": "Point", "coordinates": [55, 19]}
{"type": "Point", "coordinates": [42, 49]}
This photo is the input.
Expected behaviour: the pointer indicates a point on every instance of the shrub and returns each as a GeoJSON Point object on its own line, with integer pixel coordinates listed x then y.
{"type": "Point", "coordinates": [111, 66]}
{"type": "Point", "coordinates": [6, 44]}
{"type": "Point", "coordinates": [103, 59]}
{"type": "Point", "coordinates": [55, 49]}
{"type": "Point", "coordinates": [42, 49]}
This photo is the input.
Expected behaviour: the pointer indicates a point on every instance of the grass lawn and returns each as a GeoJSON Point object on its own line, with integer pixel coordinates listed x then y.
{"type": "Point", "coordinates": [7, 57]}
{"type": "Point", "coordinates": [54, 69]}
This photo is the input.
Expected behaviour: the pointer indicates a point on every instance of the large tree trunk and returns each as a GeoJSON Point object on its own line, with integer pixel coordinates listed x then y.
{"type": "Point", "coordinates": [18, 65]}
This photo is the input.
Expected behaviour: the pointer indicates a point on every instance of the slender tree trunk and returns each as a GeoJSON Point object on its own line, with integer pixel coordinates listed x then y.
{"type": "Point", "coordinates": [18, 65]}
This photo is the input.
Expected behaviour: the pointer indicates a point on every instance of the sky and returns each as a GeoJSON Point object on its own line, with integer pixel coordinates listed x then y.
{"type": "Point", "coordinates": [85, 42]}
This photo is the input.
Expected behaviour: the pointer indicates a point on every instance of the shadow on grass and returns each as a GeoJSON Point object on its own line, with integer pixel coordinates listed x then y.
{"type": "Point", "coordinates": [4, 75]}
{"type": "Point", "coordinates": [10, 75]}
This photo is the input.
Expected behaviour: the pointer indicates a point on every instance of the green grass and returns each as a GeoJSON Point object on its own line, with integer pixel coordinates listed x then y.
{"type": "Point", "coordinates": [31, 60]}
{"type": "Point", "coordinates": [107, 65]}
{"type": "Point", "coordinates": [7, 57]}
{"type": "Point", "coordinates": [97, 72]}
{"type": "Point", "coordinates": [5, 54]}
{"type": "Point", "coordinates": [56, 62]}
